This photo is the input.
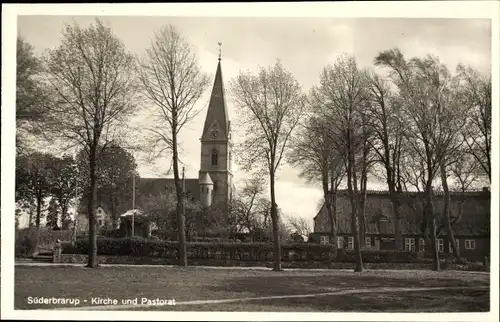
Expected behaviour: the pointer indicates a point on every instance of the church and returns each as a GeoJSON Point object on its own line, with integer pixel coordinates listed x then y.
{"type": "Point", "coordinates": [214, 186]}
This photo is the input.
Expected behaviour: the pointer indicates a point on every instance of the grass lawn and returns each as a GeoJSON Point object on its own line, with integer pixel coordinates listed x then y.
{"type": "Point", "coordinates": [468, 291]}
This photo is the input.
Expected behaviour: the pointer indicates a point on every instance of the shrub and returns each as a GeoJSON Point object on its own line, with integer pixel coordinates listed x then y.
{"type": "Point", "coordinates": [68, 248]}
{"type": "Point", "coordinates": [444, 258]}
{"type": "Point", "coordinates": [164, 234]}
{"type": "Point", "coordinates": [26, 244]}
{"type": "Point", "coordinates": [378, 256]}
{"type": "Point", "coordinates": [107, 232]}
{"type": "Point", "coordinates": [393, 256]}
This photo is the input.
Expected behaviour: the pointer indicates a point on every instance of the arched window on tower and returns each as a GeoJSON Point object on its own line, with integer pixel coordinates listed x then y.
{"type": "Point", "coordinates": [215, 159]}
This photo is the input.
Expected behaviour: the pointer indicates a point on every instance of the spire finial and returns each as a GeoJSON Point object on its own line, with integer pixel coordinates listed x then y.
{"type": "Point", "coordinates": [220, 51]}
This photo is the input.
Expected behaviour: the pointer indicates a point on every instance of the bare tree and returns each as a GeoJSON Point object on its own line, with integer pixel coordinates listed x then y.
{"type": "Point", "coordinates": [387, 144]}
{"type": "Point", "coordinates": [247, 205]}
{"type": "Point", "coordinates": [161, 209]}
{"type": "Point", "coordinates": [465, 170]}
{"type": "Point", "coordinates": [343, 93]}
{"type": "Point", "coordinates": [366, 162]}
{"type": "Point", "coordinates": [319, 158]}
{"type": "Point", "coordinates": [477, 94]}
{"type": "Point", "coordinates": [173, 81]}
{"type": "Point", "coordinates": [271, 106]}
{"type": "Point", "coordinates": [300, 225]}
{"type": "Point", "coordinates": [433, 117]}
{"type": "Point", "coordinates": [91, 76]}
{"type": "Point", "coordinates": [420, 122]}
{"type": "Point", "coordinates": [452, 119]}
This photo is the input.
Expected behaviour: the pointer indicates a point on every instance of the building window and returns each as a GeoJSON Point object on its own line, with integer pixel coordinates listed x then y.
{"type": "Point", "coordinates": [340, 242]}
{"type": "Point", "coordinates": [324, 240]}
{"type": "Point", "coordinates": [470, 244]}
{"type": "Point", "coordinates": [410, 244]}
{"type": "Point", "coordinates": [99, 222]}
{"type": "Point", "coordinates": [450, 249]}
{"type": "Point", "coordinates": [421, 245]}
{"type": "Point", "coordinates": [440, 245]}
{"type": "Point", "coordinates": [215, 159]}
{"type": "Point", "coordinates": [350, 243]}
{"type": "Point", "coordinates": [368, 242]}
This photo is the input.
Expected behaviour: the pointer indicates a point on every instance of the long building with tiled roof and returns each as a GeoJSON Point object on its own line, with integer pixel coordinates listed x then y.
{"type": "Point", "coordinates": [472, 229]}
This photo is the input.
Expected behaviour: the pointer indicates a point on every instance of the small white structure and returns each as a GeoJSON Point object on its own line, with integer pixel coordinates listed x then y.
{"type": "Point", "coordinates": [137, 219]}
{"type": "Point", "coordinates": [206, 190]}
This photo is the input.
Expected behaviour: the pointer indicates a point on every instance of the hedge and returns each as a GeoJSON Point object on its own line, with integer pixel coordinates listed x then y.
{"type": "Point", "coordinates": [42, 236]}
{"type": "Point", "coordinates": [255, 251]}
{"type": "Point", "coordinates": [393, 256]}
{"type": "Point", "coordinates": [201, 250]}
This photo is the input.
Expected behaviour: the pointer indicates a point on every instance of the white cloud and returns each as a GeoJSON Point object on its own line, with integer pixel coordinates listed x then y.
{"type": "Point", "coordinates": [298, 200]}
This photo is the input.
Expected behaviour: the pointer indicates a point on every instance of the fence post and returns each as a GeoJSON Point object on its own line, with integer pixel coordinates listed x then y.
{"type": "Point", "coordinates": [486, 263]}
{"type": "Point", "coordinates": [56, 253]}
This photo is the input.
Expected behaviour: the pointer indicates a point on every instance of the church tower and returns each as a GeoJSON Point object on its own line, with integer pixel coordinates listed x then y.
{"type": "Point", "coordinates": [216, 147]}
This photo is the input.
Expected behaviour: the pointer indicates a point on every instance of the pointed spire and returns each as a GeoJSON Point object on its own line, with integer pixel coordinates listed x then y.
{"type": "Point", "coordinates": [217, 120]}
{"type": "Point", "coordinates": [206, 179]}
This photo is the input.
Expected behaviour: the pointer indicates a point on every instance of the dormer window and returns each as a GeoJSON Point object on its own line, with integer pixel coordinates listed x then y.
{"type": "Point", "coordinates": [215, 158]}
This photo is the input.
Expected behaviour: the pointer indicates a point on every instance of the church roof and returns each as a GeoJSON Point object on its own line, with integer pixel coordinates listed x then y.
{"type": "Point", "coordinates": [217, 108]}
{"type": "Point", "coordinates": [474, 219]}
{"type": "Point", "coordinates": [135, 212]}
{"type": "Point", "coordinates": [147, 187]}
{"type": "Point", "coordinates": [205, 179]}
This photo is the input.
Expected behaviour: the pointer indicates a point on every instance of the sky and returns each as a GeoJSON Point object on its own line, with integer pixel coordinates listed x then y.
{"type": "Point", "coordinates": [304, 46]}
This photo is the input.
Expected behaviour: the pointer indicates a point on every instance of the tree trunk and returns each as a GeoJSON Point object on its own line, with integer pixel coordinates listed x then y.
{"type": "Point", "coordinates": [64, 210]}
{"type": "Point", "coordinates": [392, 177]}
{"type": "Point", "coordinates": [328, 201]}
{"type": "Point", "coordinates": [353, 197]}
{"type": "Point", "coordinates": [30, 216]}
{"type": "Point", "coordinates": [429, 213]}
{"type": "Point", "coordinates": [39, 200]}
{"type": "Point", "coordinates": [396, 211]}
{"type": "Point", "coordinates": [92, 261]}
{"type": "Point", "coordinates": [181, 219]}
{"type": "Point", "coordinates": [334, 184]}
{"type": "Point", "coordinates": [362, 214]}
{"type": "Point", "coordinates": [435, 252]}
{"type": "Point", "coordinates": [446, 211]}
{"type": "Point", "coordinates": [334, 213]}
{"type": "Point", "coordinates": [397, 189]}
{"type": "Point", "coordinates": [275, 221]}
